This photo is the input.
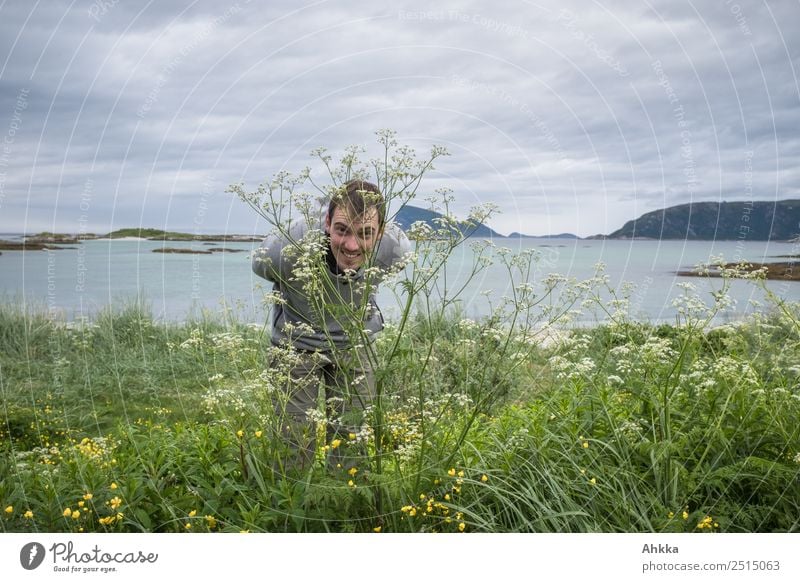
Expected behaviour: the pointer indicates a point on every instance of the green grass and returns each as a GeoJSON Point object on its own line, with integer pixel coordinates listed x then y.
{"type": "Point", "coordinates": [134, 425]}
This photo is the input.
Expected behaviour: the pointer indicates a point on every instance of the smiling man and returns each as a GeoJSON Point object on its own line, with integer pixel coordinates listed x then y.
{"type": "Point", "coordinates": [326, 311]}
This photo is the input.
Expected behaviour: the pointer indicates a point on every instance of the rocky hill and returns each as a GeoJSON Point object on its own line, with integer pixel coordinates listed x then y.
{"type": "Point", "coordinates": [411, 214]}
{"type": "Point", "coordinates": [750, 220]}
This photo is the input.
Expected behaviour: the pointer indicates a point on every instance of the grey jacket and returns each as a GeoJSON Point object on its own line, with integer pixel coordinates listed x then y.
{"type": "Point", "coordinates": [276, 261]}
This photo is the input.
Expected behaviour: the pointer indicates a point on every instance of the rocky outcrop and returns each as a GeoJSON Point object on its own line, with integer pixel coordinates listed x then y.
{"type": "Point", "coordinates": [746, 221]}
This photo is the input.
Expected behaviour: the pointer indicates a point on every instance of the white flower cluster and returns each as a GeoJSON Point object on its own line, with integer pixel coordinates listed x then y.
{"type": "Point", "coordinates": [631, 430]}
{"type": "Point", "coordinates": [309, 255]}
{"type": "Point", "coordinates": [273, 298]}
{"type": "Point", "coordinates": [316, 416]}
{"type": "Point", "coordinates": [734, 371]}
{"type": "Point", "coordinates": [39, 460]}
{"type": "Point", "coordinates": [518, 439]}
{"type": "Point", "coordinates": [196, 339]}
{"type": "Point", "coordinates": [552, 280]}
{"type": "Point", "coordinates": [419, 231]}
{"type": "Point", "coordinates": [493, 333]}
{"type": "Point", "coordinates": [227, 342]}
{"type": "Point", "coordinates": [700, 375]}
{"type": "Point", "coordinates": [467, 325]}
{"type": "Point", "coordinates": [567, 369]}
{"type": "Point", "coordinates": [656, 350]}
{"type": "Point", "coordinates": [482, 212]}
{"type": "Point", "coordinates": [225, 400]}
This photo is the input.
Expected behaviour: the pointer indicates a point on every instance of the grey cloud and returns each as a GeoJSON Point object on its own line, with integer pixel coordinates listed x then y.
{"type": "Point", "coordinates": [557, 105]}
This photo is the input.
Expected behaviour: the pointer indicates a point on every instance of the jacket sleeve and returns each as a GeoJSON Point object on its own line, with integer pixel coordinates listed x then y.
{"type": "Point", "coordinates": [270, 260]}
{"type": "Point", "coordinates": [393, 246]}
{"type": "Point", "coordinates": [267, 261]}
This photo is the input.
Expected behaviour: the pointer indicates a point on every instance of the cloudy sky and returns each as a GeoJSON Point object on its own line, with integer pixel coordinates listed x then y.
{"type": "Point", "coordinates": [570, 116]}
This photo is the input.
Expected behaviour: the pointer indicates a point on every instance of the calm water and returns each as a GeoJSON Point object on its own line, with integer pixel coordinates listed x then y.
{"type": "Point", "coordinates": [99, 273]}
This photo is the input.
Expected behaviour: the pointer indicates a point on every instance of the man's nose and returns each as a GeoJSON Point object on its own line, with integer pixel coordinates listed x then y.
{"type": "Point", "coordinates": [351, 244]}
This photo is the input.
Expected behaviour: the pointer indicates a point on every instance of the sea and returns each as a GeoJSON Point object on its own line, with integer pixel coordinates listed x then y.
{"type": "Point", "coordinates": [95, 275]}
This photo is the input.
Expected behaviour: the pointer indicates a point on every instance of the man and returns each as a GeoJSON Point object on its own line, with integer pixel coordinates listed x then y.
{"type": "Point", "coordinates": [326, 312]}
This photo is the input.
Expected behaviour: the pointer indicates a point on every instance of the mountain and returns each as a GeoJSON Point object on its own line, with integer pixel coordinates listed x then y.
{"type": "Point", "coordinates": [411, 214]}
{"type": "Point", "coordinates": [750, 220]}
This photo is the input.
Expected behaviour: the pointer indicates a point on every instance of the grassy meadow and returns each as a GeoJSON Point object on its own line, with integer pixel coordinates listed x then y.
{"type": "Point", "coordinates": [126, 424]}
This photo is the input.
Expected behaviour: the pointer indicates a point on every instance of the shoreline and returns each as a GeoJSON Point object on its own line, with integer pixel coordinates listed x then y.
{"type": "Point", "coordinates": [779, 271]}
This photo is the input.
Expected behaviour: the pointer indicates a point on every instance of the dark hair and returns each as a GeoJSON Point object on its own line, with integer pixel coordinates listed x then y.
{"type": "Point", "coordinates": [358, 196]}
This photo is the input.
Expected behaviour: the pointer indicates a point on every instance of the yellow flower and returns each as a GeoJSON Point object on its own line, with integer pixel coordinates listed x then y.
{"type": "Point", "coordinates": [585, 445]}
{"type": "Point", "coordinates": [88, 496]}
{"type": "Point", "coordinates": [462, 526]}
{"type": "Point", "coordinates": [705, 523]}
{"type": "Point", "coordinates": [484, 478]}
{"type": "Point", "coordinates": [412, 512]}
{"type": "Point", "coordinates": [447, 497]}
{"type": "Point", "coordinates": [421, 496]}
{"type": "Point", "coordinates": [436, 481]}
{"type": "Point", "coordinates": [108, 520]}
{"type": "Point", "coordinates": [685, 515]}
{"type": "Point", "coordinates": [335, 443]}
{"type": "Point", "coordinates": [461, 473]}
{"type": "Point", "coordinates": [240, 433]}
{"type": "Point", "coordinates": [352, 471]}
{"type": "Point", "coordinates": [67, 512]}
{"type": "Point", "coordinates": [452, 472]}
{"type": "Point", "coordinates": [670, 515]}
{"type": "Point", "coordinates": [76, 514]}
{"type": "Point", "coordinates": [377, 529]}
{"type": "Point", "coordinates": [593, 481]}
{"type": "Point", "coordinates": [406, 508]}
{"type": "Point", "coordinates": [258, 434]}
{"type": "Point", "coordinates": [211, 521]}
{"type": "Point", "coordinates": [188, 525]}
{"type": "Point", "coordinates": [81, 503]}
{"type": "Point", "coordinates": [10, 509]}
{"type": "Point", "coordinates": [28, 514]}
{"type": "Point", "coordinates": [350, 483]}
{"type": "Point", "coordinates": [113, 486]}
{"type": "Point", "coordinates": [192, 513]}
{"type": "Point", "coordinates": [115, 503]}
{"type": "Point", "coordinates": [352, 436]}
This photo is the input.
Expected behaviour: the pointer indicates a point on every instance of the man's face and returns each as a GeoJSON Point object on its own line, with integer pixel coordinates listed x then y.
{"type": "Point", "coordinates": [353, 236]}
